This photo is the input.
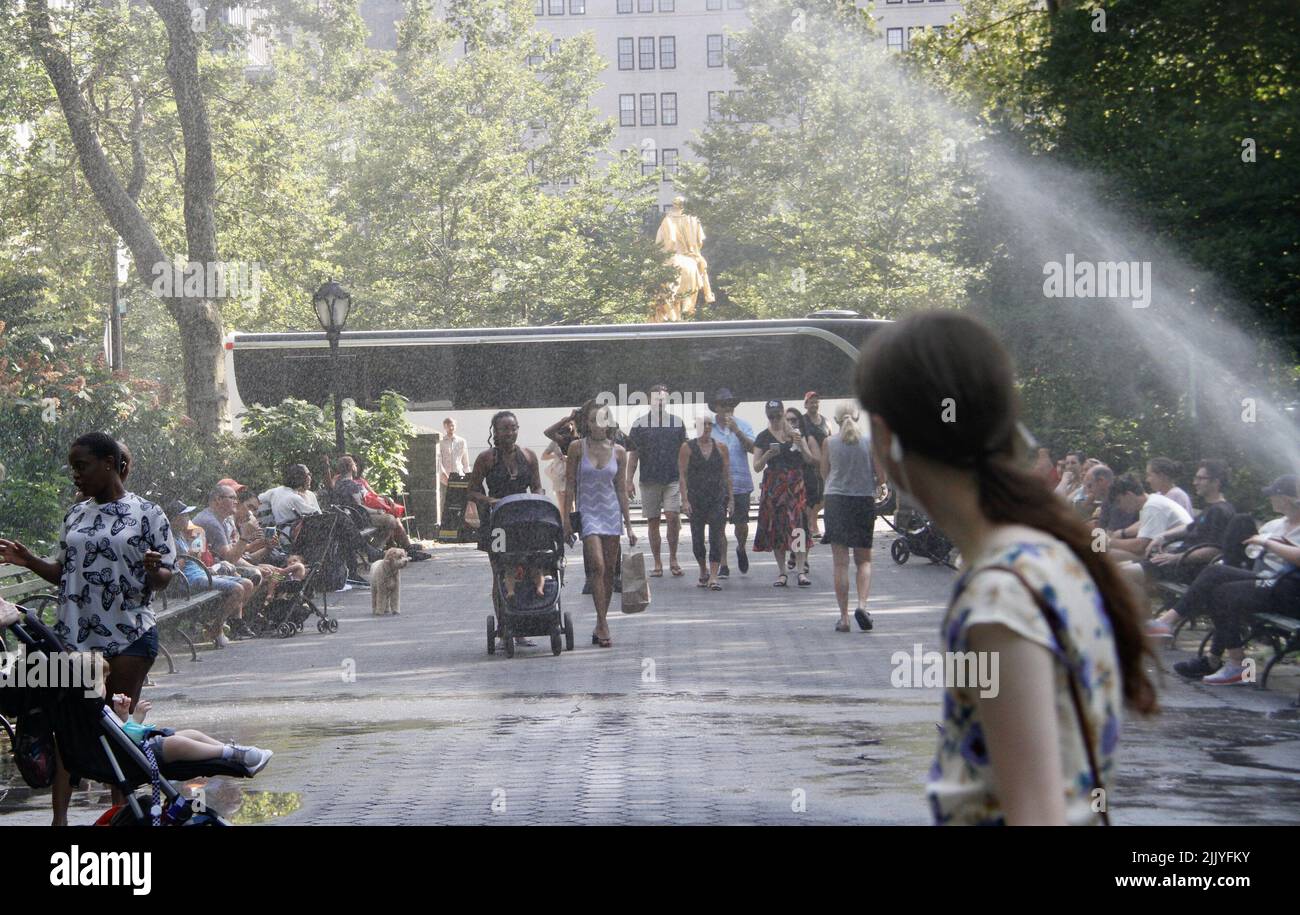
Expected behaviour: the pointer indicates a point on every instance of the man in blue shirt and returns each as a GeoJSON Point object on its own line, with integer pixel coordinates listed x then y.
{"type": "Point", "coordinates": [652, 444]}
{"type": "Point", "coordinates": [738, 436]}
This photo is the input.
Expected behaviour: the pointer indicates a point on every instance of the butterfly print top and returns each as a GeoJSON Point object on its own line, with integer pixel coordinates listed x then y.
{"type": "Point", "coordinates": [104, 594]}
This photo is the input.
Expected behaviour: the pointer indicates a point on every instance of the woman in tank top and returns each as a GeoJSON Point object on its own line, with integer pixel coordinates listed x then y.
{"type": "Point", "coordinates": [596, 472]}
{"type": "Point", "coordinates": [850, 491]}
{"type": "Point", "coordinates": [504, 469]}
{"type": "Point", "coordinates": [704, 468]}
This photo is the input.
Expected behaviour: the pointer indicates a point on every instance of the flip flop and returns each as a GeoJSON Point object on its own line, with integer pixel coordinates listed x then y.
{"type": "Point", "coordinates": [803, 580]}
{"type": "Point", "coordinates": [782, 581]}
{"type": "Point", "coordinates": [677, 571]}
{"type": "Point", "coordinates": [714, 586]}
{"type": "Point", "coordinates": [702, 583]}
{"type": "Point", "coordinates": [603, 643]}
{"type": "Point", "coordinates": [657, 573]}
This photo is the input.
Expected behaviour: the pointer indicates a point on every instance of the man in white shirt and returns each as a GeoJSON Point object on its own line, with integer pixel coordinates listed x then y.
{"type": "Point", "coordinates": [1156, 514]}
{"type": "Point", "coordinates": [453, 457]}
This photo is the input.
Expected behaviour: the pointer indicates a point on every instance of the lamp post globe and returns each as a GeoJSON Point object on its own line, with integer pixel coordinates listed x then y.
{"type": "Point", "coordinates": [333, 305]}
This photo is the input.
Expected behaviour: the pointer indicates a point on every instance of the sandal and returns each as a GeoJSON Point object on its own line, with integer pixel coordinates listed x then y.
{"type": "Point", "coordinates": [677, 571]}
{"type": "Point", "coordinates": [703, 582]}
{"type": "Point", "coordinates": [842, 626]}
{"type": "Point", "coordinates": [603, 643]}
{"type": "Point", "coordinates": [782, 581]}
{"type": "Point", "coordinates": [804, 581]}
{"type": "Point", "coordinates": [657, 573]}
{"type": "Point", "coordinates": [714, 586]}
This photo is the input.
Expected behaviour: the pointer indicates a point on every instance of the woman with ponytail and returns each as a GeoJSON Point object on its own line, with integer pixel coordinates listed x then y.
{"type": "Point", "coordinates": [850, 489]}
{"type": "Point", "coordinates": [1035, 604]}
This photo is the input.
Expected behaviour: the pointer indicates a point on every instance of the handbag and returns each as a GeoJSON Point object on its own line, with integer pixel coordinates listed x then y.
{"type": "Point", "coordinates": [1071, 662]}
{"type": "Point", "coordinates": [33, 745]}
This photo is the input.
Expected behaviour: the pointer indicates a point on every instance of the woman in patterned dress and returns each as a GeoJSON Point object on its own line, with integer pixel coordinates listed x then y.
{"type": "Point", "coordinates": [1039, 612]}
{"type": "Point", "coordinates": [596, 472]}
{"type": "Point", "coordinates": [779, 454]}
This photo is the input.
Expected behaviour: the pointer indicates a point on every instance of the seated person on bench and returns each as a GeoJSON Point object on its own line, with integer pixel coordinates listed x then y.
{"type": "Point", "coordinates": [348, 489]}
{"type": "Point", "coordinates": [1201, 539]}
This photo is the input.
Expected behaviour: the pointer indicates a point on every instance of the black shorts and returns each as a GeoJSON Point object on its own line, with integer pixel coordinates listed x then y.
{"type": "Point", "coordinates": [144, 647]}
{"type": "Point", "coordinates": [850, 521]}
{"type": "Point", "coordinates": [740, 512]}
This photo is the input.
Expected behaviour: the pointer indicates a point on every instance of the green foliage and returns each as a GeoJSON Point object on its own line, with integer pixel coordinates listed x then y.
{"type": "Point", "coordinates": [297, 432]}
{"type": "Point", "coordinates": [824, 185]}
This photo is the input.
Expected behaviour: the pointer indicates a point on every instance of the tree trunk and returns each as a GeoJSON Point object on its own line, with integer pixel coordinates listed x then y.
{"type": "Point", "coordinates": [198, 320]}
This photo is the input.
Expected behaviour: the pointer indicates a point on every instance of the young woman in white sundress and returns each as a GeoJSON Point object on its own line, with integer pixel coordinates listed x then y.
{"type": "Point", "coordinates": [596, 473]}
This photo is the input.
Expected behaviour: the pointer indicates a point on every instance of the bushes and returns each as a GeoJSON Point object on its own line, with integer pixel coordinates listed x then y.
{"type": "Point", "coordinates": [48, 399]}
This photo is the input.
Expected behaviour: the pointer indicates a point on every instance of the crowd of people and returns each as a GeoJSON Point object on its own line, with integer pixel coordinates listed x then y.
{"type": "Point", "coordinates": [596, 470]}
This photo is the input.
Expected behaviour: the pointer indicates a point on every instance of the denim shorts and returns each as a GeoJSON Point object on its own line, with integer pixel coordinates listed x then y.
{"type": "Point", "coordinates": [144, 647]}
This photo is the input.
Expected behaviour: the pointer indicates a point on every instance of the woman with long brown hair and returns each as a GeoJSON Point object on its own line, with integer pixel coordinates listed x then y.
{"type": "Point", "coordinates": [1035, 744]}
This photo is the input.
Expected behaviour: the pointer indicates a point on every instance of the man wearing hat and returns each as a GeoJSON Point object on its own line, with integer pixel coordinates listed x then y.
{"type": "Point", "coordinates": [738, 437]}
{"type": "Point", "coordinates": [235, 591]}
{"type": "Point", "coordinates": [1230, 596]}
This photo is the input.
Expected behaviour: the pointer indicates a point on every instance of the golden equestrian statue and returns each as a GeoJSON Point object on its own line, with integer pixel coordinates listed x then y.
{"type": "Point", "coordinates": [681, 237]}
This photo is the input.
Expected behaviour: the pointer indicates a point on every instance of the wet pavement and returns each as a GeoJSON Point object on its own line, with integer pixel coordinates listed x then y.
{"type": "Point", "coordinates": [742, 706]}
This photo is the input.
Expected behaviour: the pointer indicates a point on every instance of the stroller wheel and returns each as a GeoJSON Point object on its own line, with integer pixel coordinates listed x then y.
{"type": "Point", "coordinates": [899, 551]}
{"type": "Point", "coordinates": [287, 629]}
{"type": "Point", "coordinates": [321, 627]}
{"type": "Point", "coordinates": [332, 625]}
{"type": "Point", "coordinates": [557, 644]}
{"type": "Point", "coordinates": [492, 634]}
{"type": "Point", "coordinates": [568, 632]}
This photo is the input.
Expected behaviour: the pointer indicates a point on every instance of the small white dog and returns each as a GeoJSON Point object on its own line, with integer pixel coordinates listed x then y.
{"type": "Point", "coordinates": [386, 582]}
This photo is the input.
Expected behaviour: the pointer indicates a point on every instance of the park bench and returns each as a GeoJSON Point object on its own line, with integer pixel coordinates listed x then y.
{"type": "Point", "coordinates": [172, 612]}
{"type": "Point", "coordinates": [1281, 632]}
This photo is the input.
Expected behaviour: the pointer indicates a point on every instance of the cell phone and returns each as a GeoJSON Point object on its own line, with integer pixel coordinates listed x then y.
{"type": "Point", "coordinates": [268, 533]}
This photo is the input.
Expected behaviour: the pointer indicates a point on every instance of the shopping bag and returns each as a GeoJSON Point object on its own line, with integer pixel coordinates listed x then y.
{"type": "Point", "coordinates": [636, 584]}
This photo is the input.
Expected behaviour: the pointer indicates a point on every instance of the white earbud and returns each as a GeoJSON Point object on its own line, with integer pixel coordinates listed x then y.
{"type": "Point", "coordinates": [895, 450]}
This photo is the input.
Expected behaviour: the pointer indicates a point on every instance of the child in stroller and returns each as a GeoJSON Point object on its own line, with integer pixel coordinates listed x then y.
{"type": "Point", "coordinates": [187, 745]}
{"type": "Point", "coordinates": [526, 544]}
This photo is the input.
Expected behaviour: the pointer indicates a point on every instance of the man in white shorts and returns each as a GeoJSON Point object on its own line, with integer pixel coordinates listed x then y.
{"type": "Point", "coordinates": [653, 444]}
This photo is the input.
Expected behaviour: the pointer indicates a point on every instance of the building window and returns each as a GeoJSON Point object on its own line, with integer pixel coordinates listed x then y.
{"type": "Point", "coordinates": [713, 4]}
{"type": "Point", "coordinates": [668, 109]}
{"type": "Point", "coordinates": [647, 54]}
{"type": "Point", "coordinates": [625, 6]}
{"type": "Point", "coordinates": [667, 52]}
{"type": "Point", "coordinates": [735, 4]}
{"type": "Point", "coordinates": [627, 110]}
{"type": "Point", "coordinates": [667, 6]}
{"type": "Point", "coordinates": [668, 160]}
{"type": "Point", "coordinates": [539, 7]}
{"type": "Point", "coordinates": [649, 161]}
{"type": "Point", "coordinates": [714, 99]}
{"type": "Point", "coordinates": [645, 6]}
{"type": "Point", "coordinates": [912, 30]}
{"type": "Point", "coordinates": [557, 7]}
{"type": "Point", "coordinates": [893, 1]}
{"type": "Point", "coordinates": [647, 109]}
{"type": "Point", "coordinates": [737, 96]}
{"type": "Point", "coordinates": [894, 39]}
{"type": "Point", "coordinates": [714, 50]}
{"type": "Point", "coordinates": [915, 1]}
{"type": "Point", "coordinates": [577, 7]}
{"type": "Point", "coordinates": [536, 60]}
{"type": "Point", "coordinates": [625, 54]}
{"type": "Point", "coordinates": [941, 30]}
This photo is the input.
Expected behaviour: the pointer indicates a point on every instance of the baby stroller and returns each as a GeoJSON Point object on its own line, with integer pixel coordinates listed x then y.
{"type": "Point", "coordinates": [527, 534]}
{"type": "Point", "coordinates": [93, 745]}
{"type": "Point", "coordinates": [917, 534]}
{"type": "Point", "coordinates": [286, 613]}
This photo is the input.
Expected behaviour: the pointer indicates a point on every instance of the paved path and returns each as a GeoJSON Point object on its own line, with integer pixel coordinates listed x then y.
{"type": "Point", "coordinates": [736, 707]}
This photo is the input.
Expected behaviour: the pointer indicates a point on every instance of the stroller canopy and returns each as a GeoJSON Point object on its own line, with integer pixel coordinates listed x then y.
{"type": "Point", "coordinates": [526, 508]}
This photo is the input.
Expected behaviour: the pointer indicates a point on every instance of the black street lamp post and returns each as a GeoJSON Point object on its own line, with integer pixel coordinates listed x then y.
{"type": "Point", "coordinates": [333, 304]}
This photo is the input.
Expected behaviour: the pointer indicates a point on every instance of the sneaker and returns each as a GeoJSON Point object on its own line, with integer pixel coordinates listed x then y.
{"type": "Point", "coordinates": [346, 587]}
{"type": "Point", "coordinates": [418, 555]}
{"type": "Point", "coordinates": [864, 619]}
{"type": "Point", "coordinates": [253, 758]}
{"type": "Point", "coordinates": [221, 641]}
{"type": "Point", "coordinates": [1230, 672]}
{"type": "Point", "coordinates": [241, 630]}
{"type": "Point", "coordinates": [1196, 668]}
{"type": "Point", "coordinates": [724, 572]}
{"type": "Point", "coordinates": [742, 560]}
{"type": "Point", "coordinates": [1159, 629]}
